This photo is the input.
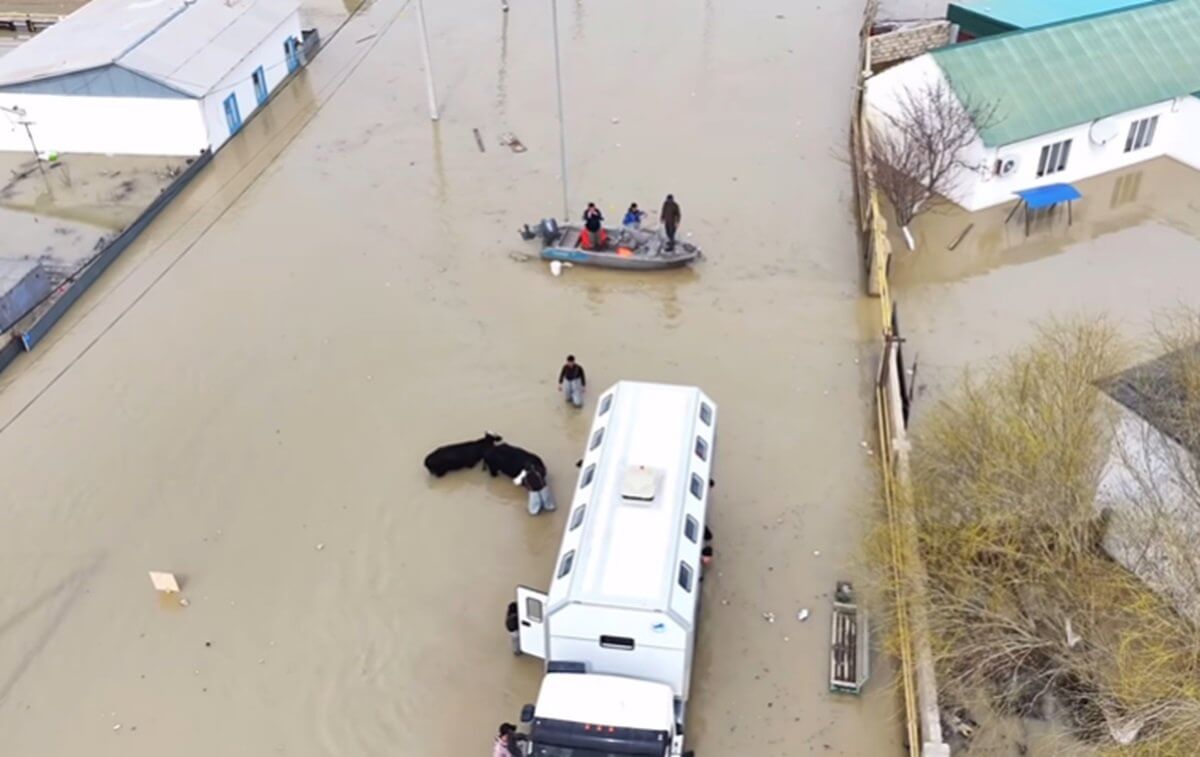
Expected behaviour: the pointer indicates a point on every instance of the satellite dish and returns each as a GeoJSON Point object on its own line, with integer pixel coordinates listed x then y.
{"type": "Point", "coordinates": [1103, 130]}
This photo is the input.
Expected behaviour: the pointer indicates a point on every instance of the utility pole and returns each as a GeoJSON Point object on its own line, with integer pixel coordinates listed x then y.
{"type": "Point", "coordinates": [433, 107]}
{"type": "Point", "coordinates": [562, 125]}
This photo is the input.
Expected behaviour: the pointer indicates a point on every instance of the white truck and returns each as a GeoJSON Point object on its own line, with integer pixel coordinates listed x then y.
{"type": "Point", "coordinates": [617, 630]}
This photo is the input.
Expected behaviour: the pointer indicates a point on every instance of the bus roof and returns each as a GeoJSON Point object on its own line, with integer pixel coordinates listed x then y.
{"type": "Point", "coordinates": [627, 547]}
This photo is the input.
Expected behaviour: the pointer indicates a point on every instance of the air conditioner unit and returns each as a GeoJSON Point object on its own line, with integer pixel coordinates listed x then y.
{"type": "Point", "coordinates": [1006, 165]}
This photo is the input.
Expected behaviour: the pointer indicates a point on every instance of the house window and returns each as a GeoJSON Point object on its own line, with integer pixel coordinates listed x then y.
{"type": "Point", "coordinates": [1054, 158]}
{"type": "Point", "coordinates": [259, 77]}
{"type": "Point", "coordinates": [233, 118]}
{"type": "Point", "coordinates": [1141, 133]}
{"type": "Point", "coordinates": [292, 51]}
{"type": "Point", "coordinates": [1125, 189]}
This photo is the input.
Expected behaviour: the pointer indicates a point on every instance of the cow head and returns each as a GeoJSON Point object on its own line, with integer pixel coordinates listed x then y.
{"type": "Point", "coordinates": [488, 436]}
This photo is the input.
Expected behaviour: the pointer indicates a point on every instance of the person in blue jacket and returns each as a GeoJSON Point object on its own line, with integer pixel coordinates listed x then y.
{"type": "Point", "coordinates": [633, 217]}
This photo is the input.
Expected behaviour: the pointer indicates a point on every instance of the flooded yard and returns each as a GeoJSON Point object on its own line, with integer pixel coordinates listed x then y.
{"type": "Point", "coordinates": [1129, 252]}
{"type": "Point", "coordinates": [246, 397]}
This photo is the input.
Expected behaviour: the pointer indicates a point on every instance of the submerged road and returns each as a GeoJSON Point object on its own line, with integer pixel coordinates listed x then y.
{"type": "Point", "coordinates": [246, 397]}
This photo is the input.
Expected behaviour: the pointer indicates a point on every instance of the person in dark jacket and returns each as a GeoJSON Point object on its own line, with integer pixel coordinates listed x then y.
{"type": "Point", "coordinates": [512, 622]}
{"type": "Point", "coordinates": [539, 489]}
{"type": "Point", "coordinates": [670, 216]}
{"type": "Point", "coordinates": [571, 381]}
{"type": "Point", "coordinates": [593, 236]}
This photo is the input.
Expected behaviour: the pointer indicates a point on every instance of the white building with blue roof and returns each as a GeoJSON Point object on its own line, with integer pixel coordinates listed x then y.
{"type": "Point", "coordinates": [1071, 100]}
{"type": "Point", "coordinates": [147, 77]}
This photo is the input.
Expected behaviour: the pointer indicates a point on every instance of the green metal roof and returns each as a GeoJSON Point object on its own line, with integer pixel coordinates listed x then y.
{"type": "Point", "coordinates": [1052, 77]}
{"type": "Point", "coordinates": [996, 15]}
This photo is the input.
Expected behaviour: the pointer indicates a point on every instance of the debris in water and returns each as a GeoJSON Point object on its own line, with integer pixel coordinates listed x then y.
{"type": "Point", "coordinates": [769, 617]}
{"type": "Point", "coordinates": [816, 553]}
{"type": "Point", "coordinates": [361, 40]}
{"type": "Point", "coordinates": [183, 602]}
{"type": "Point", "coordinates": [616, 120]}
{"type": "Point", "coordinates": [322, 544]}
{"type": "Point", "coordinates": [556, 267]}
{"type": "Point", "coordinates": [510, 141]}
{"type": "Point", "coordinates": [479, 140]}
{"type": "Point", "coordinates": [802, 615]}
{"type": "Point", "coordinates": [164, 582]}
{"type": "Point", "coordinates": [117, 727]}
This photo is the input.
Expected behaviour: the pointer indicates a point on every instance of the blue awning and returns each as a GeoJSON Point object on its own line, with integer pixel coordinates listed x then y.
{"type": "Point", "coordinates": [1051, 194]}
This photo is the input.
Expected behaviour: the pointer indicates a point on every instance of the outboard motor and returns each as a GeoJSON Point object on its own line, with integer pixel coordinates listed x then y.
{"type": "Point", "coordinates": [548, 230]}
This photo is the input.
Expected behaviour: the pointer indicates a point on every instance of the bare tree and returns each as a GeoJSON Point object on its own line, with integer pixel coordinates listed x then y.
{"type": "Point", "coordinates": [918, 152]}
{"type": "Point", "coordinates": [1025, 609]}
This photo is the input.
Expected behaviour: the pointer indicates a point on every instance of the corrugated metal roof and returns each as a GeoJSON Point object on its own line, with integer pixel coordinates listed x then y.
{"type": "Point", "coordinates": [1027, 14]}
{"type": "Point", "coordinates": [188, 45]}
{"type": "Point", "coordinates": [1053, 77]}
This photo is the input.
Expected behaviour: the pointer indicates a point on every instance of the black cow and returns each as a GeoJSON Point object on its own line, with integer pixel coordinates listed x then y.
{"type": "Point", "coordinates": [510, 460]}
{"type": "Point", "coordinates": [462, 455]}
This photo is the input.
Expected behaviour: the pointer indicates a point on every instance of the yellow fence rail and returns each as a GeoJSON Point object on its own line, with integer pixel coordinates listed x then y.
{"type": "Point", "coordinates": [877, 254]}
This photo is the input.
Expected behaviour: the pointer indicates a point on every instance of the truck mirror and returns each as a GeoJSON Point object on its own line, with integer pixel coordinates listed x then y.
{"type": "Point", "coordinates": [527, 714]}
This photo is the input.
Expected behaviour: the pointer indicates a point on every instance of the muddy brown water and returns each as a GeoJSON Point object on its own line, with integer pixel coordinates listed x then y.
{"type": "Point", "coordinates": [263, 372]}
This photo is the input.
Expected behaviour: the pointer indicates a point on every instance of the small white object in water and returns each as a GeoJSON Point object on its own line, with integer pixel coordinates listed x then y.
{"type": "Point", "coordinates": [616, 120]}
{"type": "Point", "coordinates": [183, 602]}
{"type": "Point", "coordinates": [556, 267]}
{"type": "Point", "coordinates": [164, 582]}
{"type": "Point", "coordinates": [320, 546]}
{"type": "Point", "coordinates": [816, 553]}
{"type": "Point", "coordinates": [802, 615]}
{"type": "Point", "coordinates": [117, 727]}
{"type": "Point", "coordinates": [769, 617]}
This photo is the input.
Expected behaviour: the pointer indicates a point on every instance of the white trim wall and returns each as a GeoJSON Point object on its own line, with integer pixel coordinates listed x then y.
{"type": "Point", "coordinates": [270, 55]}
{"type": "Point", "coordinates": [1176, 135]}
{"type": "Point", "coordinates": [116, 125]}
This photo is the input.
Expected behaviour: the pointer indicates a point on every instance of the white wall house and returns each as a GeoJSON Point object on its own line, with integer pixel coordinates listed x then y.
{"type": "Point", "coordinates": [1150, 486]}
{"type": "Point", "coordinates": [1071, 100]}
{"type": "Point", "coordinates": [147, 77]}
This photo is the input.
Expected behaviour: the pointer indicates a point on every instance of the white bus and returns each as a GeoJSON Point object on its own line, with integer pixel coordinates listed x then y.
{"type": "Point", "coordinates": [617, 630]}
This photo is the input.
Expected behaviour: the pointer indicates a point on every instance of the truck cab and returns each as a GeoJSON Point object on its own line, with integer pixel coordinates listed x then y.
{"type": "Point", "coordinates": [617, 629]}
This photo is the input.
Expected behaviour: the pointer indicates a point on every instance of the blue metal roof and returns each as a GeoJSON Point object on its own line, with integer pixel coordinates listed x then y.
{"type": "Point", "coordinates": [1028, 14]}
{"type": "Point", "coordinates": [1051, 194]}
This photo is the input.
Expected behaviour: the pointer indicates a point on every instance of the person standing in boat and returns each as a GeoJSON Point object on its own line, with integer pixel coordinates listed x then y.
{"type": "Point", "coordinates": [670, 219]}
{"type": "Point", "coordinates": [571, 381]}
{"type": "Point", "coordinates": [593, 236]}
{"type": "Point", "coordinates": [633, 217]}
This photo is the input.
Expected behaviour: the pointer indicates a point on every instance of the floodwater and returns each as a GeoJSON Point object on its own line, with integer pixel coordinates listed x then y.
{"type": "Point", "coordinates": [245, 398]}
{"type": "Point", "coordinates": [60, 213]}
{"type": "Point", "coordinates": [1129, 252]}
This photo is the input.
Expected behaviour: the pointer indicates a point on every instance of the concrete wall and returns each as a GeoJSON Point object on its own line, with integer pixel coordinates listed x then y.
{"type": "Point", "coordinates": [121, 125]}
{"type": "Point", "coordinates": [271, 56]}
{"type": "Point", "coordinates": [978, 186]}
{"type": "Point", "coordinates": [908, 42]}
